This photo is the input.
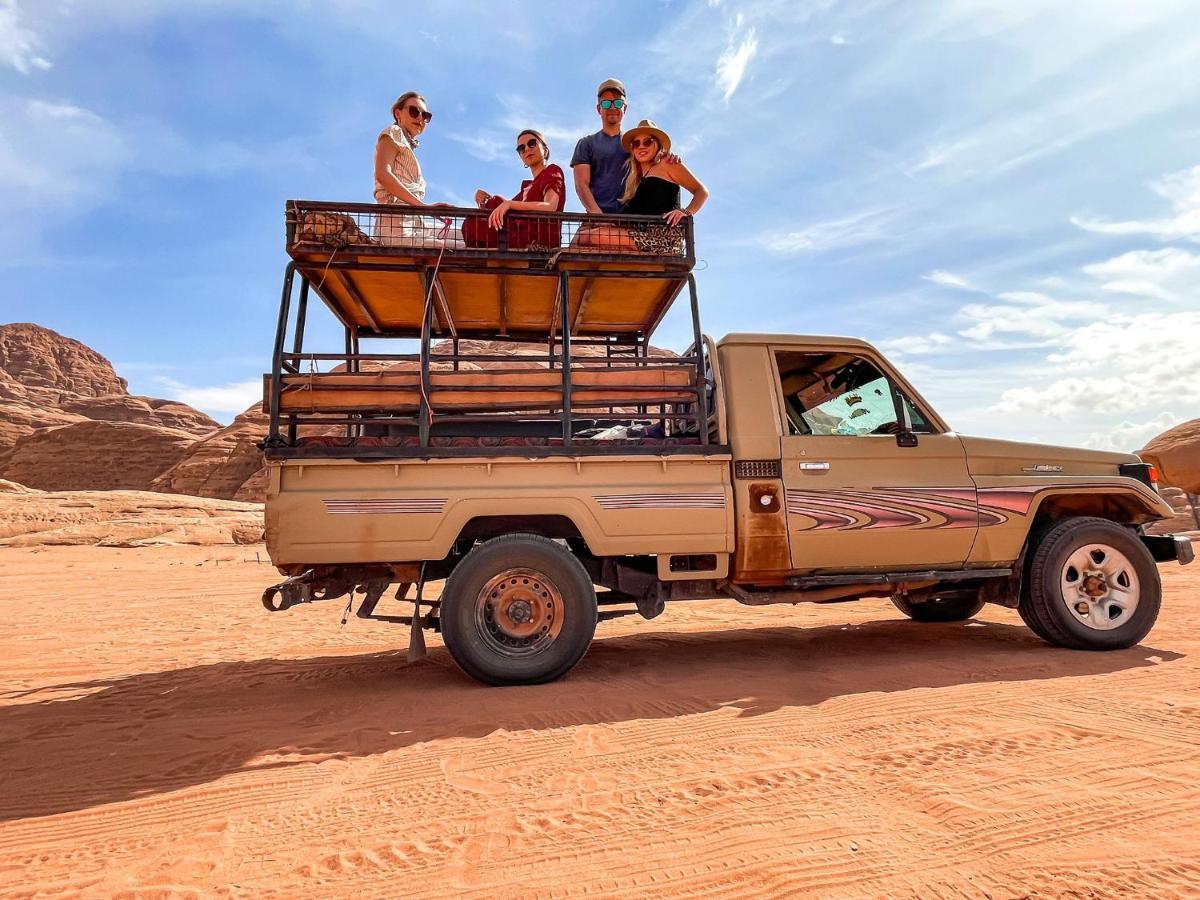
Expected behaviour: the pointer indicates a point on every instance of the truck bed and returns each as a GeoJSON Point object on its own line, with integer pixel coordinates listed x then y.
{"type": "Point", "coordinates": [351, 511]}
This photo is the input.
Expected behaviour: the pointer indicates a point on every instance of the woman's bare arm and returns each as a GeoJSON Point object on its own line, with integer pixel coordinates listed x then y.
{"type": "Point", "coordinates": [682, 176]}
{"type": "Point", "coordinates": [549, 204]}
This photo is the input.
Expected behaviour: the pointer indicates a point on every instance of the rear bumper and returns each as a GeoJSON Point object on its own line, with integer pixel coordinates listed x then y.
{"type": "Point", "coordinates": [1169, 547]}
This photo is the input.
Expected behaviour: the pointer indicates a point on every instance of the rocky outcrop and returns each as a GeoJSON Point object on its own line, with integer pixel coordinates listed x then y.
{"type": "Point", "coordinates": [90, 455]}
{"type": "Point", "coordinates": [142, 411]}
{"type": "Point", "coordinates": [48, 363]}
{"type": "Point", "coordinates": [1176, 453]}
{"type": "Point", "coordinates": [1185, 517]}
{"type": "Point", "coordinates": [221, 463]}
{"type": "Point", "coordinates": [47, 381]}
{"type": "Point", "coordinates": [31, 518]}
{"type": "Point", "coordinates": [20, 419]}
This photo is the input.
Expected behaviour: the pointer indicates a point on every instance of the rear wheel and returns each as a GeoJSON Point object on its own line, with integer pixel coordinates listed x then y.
{"type": "Point", "coordinates": [943, 606]}
{"type": "Point", "coordinates": [519, 609]}
{"type": "Point", "coordinates": [1092, 586]}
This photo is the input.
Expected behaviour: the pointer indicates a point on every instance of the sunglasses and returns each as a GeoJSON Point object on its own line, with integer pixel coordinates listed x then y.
{"type": "Point", "coordinates": [643, 142]}
{"type": "Point", "coordinates": [528, 145]}
{"type": "Point", "coordinates": [612, 104]}
{"type": "Point", "coordinates": [417, 113]}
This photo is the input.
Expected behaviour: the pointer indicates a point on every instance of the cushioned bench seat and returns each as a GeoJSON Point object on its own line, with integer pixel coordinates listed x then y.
{"type": "Point", "coordinates": [485, 390]}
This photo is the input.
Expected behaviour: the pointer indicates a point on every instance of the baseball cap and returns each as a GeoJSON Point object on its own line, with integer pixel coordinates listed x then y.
{"type": "Point", "coordinates": [611, 85]}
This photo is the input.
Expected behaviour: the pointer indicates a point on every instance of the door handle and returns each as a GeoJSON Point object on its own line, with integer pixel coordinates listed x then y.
{"type": "Point", "coordinates": [814, 467]}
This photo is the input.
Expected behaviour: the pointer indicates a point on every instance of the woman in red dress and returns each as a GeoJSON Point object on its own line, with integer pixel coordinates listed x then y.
{"type": "Point", "coordinates": [543, 193]}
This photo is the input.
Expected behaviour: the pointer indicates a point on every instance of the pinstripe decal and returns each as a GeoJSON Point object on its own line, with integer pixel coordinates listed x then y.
{"type": "Point", "coordinates": [701, 500]}
{"type": "Point", "coordinates": [384, 506]}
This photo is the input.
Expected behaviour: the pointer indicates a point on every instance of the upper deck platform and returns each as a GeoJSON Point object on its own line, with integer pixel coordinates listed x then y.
{"type": "Point", "coordinates": [374, 265]}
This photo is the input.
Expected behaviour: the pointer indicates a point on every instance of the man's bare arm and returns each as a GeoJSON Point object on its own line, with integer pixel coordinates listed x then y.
{"type": "Point", "coordinates": [583, 187]}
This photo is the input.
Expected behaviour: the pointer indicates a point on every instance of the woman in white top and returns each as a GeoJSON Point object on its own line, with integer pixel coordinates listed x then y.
{"type": "Point", "coordinates": [398, 178]}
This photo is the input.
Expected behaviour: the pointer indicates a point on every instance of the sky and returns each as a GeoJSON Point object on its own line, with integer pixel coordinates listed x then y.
{"type": "Point", "coordinates": [1003, 195]}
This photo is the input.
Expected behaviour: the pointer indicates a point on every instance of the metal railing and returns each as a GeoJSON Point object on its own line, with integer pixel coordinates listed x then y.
{"type": "Point", "coordinates": [397, 230]}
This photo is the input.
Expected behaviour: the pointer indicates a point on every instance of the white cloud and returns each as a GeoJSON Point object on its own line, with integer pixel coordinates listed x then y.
{"type": "Point", "coordinates": [484, 146]}
{"type": "Point", "coordinates": [948, 279]}
{"type": "Point", "coordinates": [940, 154]}
{"type": "Point", "coordinates": [218, 401]}
{"type": "Point", "coordinates": [1182, 190]}
{"type": "Point", "coordinates": [731, 66]}
{"type": "Point", "coordinates": [860, 228]}
{"type": "Point", "coordinates": [19, 46]}
{"type": "Point", "coordinates": [917, 344]}
{"type": "Point", "coordinates": [839, 39]}
{"type": "Point", "coordinates": [1119, 365]}
{"type": "Point", "coordinates": [1131, 436]}
{"type": "Point", "coordinates": [1040, 321]}
{"type": "Point", "coordinates": [1169, 274]}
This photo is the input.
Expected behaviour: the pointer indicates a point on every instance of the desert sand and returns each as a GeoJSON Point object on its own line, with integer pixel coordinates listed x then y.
{"type": "Point", "coordinates": [162, 735]}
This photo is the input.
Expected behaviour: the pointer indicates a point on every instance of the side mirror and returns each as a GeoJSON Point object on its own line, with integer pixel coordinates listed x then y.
{"type": "Point", "coordinates": [906, 438]}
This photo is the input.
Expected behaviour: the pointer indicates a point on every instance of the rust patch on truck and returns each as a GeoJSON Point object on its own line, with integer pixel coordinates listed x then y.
{"type": "Point", "coordinates": [762, 547]}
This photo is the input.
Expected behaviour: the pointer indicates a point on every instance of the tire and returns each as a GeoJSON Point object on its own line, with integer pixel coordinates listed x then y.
{"type": "Point", "coordinates": [1092, 585]}
{"type": "Point", "coordinates": [943, 606]}
{"type": "Point", "coordinates": [519, 609]}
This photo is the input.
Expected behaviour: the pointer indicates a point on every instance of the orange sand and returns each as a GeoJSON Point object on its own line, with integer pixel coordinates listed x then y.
{"type": "Point", "coordinates": [161, 734]}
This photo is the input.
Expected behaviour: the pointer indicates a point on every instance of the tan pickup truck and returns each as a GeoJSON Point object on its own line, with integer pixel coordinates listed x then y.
{"type": "Point", "coordinates": [797, 469]}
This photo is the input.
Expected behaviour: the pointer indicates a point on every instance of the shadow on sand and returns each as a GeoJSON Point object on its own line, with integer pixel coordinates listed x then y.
{"type": "Point", "coordinates": [113, 740]}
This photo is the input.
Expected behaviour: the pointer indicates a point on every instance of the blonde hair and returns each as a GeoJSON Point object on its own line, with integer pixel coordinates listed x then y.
{"type": "Point", "coordinates": [633, 176]}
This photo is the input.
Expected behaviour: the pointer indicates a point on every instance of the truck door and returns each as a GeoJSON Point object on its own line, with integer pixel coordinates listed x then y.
{"type": "Point", "coordinates": [856, 499]}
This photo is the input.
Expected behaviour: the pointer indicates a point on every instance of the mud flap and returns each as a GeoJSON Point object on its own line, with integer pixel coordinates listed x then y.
{"type": "Point", "coordinates": [416, 636]}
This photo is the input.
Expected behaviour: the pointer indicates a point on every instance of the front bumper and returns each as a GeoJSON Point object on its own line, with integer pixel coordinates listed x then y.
{"type": "Point", "coordinates": [1168, 547]}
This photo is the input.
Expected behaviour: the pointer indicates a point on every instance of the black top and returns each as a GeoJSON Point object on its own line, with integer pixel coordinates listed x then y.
{"type": "Point", "coordinates": [654, 196]}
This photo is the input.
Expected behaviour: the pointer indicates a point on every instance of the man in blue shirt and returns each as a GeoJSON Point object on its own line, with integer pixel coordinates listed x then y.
{"type": "Point", "coordinates": [599, 160]}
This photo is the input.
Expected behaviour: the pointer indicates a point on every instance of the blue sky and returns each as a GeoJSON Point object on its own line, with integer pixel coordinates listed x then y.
{"type": "Point", "coordinates": [1005, 196]}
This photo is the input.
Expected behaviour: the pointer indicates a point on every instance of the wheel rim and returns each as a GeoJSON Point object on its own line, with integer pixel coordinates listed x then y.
{"type": "Point", "coordinates": [519, 612]}
{"type": "Point", "coordinates": [1100, 587]}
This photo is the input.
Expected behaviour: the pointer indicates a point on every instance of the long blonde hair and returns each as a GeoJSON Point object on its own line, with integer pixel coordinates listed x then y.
{"type": "Point", "coordinates": [633, 176]}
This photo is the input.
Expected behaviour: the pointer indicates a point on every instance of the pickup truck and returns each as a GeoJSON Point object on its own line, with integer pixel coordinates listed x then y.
{"type": "Point", "coordinates": [816, 473]}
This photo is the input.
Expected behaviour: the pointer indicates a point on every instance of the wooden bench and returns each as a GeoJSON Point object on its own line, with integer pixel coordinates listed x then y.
{"type": "Point", "coordinates": [399, 392]}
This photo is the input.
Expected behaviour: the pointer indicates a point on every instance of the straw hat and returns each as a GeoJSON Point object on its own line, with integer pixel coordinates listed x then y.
{"type": "Point", "coordinates": [647, 127]}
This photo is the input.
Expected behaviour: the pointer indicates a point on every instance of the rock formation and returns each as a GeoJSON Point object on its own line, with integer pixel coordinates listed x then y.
{"type": "Point", "coordinates": [90, 455]}
{"type": "Point", "coordinates": [1176, 453]}
{"type": "Point", "coordinates": [49, 364]}
{"type": "Point", "coordinates": [221, 463]}
{"type": "Point", "coordinates": [67, 421]}
{"type": "Point", "coordinates": [31, 518]}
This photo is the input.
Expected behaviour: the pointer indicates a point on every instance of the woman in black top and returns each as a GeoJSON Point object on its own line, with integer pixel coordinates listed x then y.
{"type": "Point", "coordinates": [652, 184]}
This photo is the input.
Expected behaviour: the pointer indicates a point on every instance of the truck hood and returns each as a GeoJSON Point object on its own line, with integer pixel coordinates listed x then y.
{"type": "Point", "coordinates": [991, 457]}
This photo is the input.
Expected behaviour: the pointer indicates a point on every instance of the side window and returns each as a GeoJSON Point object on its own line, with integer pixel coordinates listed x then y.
{"type": "Point", "coordinates": [839, 394]}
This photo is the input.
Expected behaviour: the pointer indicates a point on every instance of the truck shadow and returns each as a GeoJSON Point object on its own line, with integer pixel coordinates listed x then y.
{"type": "Point", "coordinates": [73, 747]}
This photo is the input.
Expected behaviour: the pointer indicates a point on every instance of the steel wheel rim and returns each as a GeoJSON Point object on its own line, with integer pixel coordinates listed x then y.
{"type": "Point", "coordinates": [519, 612]}
{"type": "Point", "coordinates": [1100, 587]}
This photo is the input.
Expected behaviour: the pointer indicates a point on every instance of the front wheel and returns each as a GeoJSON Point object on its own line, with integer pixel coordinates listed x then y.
{"type": "Point", "coordinates": [519, 609]}
{"type": "Point", "coordinates": [944, 606]}
{"type": "Point", "coordinates": [1092, 586]}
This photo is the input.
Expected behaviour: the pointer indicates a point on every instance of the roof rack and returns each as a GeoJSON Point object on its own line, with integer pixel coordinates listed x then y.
{"type": "Point", "coordinates": [590, 288]}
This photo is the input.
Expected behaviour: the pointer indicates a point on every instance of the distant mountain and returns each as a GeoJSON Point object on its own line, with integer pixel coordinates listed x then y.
{"type": "Point", "coordinates": [68, 421]}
